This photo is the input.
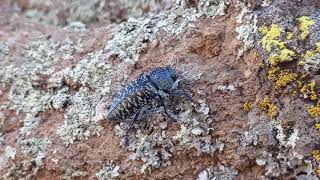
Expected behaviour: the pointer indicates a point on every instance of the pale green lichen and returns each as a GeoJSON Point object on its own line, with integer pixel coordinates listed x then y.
{"type": "Point", "coordinates": [79, 10]}
{"type": "Point", "coordinates": [26, 94]}
{"type": "Point", "coordinates": [4, 51]}
{"type": "Point", "coordinates": [10, 152]}
{"type": "Point", "coordinates": [73, 174]}
{"type": "Point", "coordinates": [246, 33]}
{"type": "Point", "coordinates": [93, 75]}
{"type": "Point", "coordinates": [287, 140]}
{"type": "Point", "coordinates": [35, 147]}
{"type": "Point", "coordinates": [133, 36]}
{"type": "Point", "coordinates": [311, 59]}
{"type": "Point", "coordinates": [109, 171]}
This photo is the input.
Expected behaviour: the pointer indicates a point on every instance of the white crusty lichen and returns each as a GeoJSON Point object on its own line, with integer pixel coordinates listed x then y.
{"type": "Point", "coordinates": [78, 124]}
{"type": "Point", "coordinates": [280, 164]}
{"type": "Point", "coordinates": [10, 152]}
{"type": "Point", "coordinates": [138, 8]}
{"type": "Point", "coordinates": [35, 147]}
{"type": "Point", "coordinates": [288, 141]}
{"type": "Point", "coordinates": [217, 172]}
{"type": "Point", "coordinates": [155, 147]}
{"type": "Point", "coordinates": [109, 171]}
{"type": "Point", "coordinates": [179, 18]}
{"type": "Point", "coordinates": [133, 36]}
{"type": "Point", "coordinates": [246, 33]}
{"type": "Point", "coordinates": [312, 64]}
{"type": "Point", "coordinates": [93, 75]}
{"type": "Point", "coordinates": [26, 93]}
{"type": "Point", "coordinates": [4, 51]}
{"type": "Point", "coordinates": [73, 174]}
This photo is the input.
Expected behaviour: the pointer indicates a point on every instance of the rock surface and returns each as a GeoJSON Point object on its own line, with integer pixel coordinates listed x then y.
{"type": "Point", "coordinates": [252, 68]}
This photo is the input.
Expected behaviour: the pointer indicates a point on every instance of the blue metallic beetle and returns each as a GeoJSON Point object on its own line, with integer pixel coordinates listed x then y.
{"type": "Point", "coordinates": [141, 94]}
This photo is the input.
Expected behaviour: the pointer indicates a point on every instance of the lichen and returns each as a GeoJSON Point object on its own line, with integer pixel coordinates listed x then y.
{"type": "Point", "coordinates": [271, 37]}
{"type": "Point", "coordinates": [246, 33]}
{"type": "Point", "coordinates": [10, 152]}
{"type": "Point", "coordinates": [316, 154]}
{"type": "Point", "coordinates": [281, 78]}
{"type": "Point", "coordinates": [289, 35]}
{"type": "Point", "coordinates": [314, 111]}
{"type": "Point", "coordinates": [305, 22]}
{"type": "Point", "coordinates": [272, 43]}
{"type": "Point", "coordinates": [109, 171]}
{"type": "Point", "coordinates": [133, 36]}
{"type": "Point", "coordinates": [218, 172]}
{"type": "Point", "coordinates": [269, 108]}
{"type": "Point", "coordinates": [92, 75]}
{"type": "Point", "coordinates": [284, 56]}
{"type": "Point", "coordinates": [310, 59]}
{"type": "Point", "coordinates": [35, 147]}
{"type": "Point", "coordinates": [247, 106]}
{"type": "Point", "coordinates": [287, 140]}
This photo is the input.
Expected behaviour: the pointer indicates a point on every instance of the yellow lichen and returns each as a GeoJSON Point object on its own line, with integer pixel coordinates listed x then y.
{"type": "Point", "coordinates": [303, 88]}
{"type": "Point", "coordinates": [308, 90]}
{"type": "Point", "coordinates": [314, 111]}
{"type": "Point", "coordinates": [289, 35]}
{"type": "Point", "coordinates": [269, 108]}
{"type": "Point", "coordinates": [318, 171]}
{"type": "Point", "coordinates": [285, 78]}
{"type": "Point", "coordinates": [281, 78]}
{"type": "Point", "coordinates": [312, 53]}
{"type": "Point", "coordinates": [262, 65]}
{"type": "Point", "coordinates": [271, 37]}
{"type": "Point", "coordinates": [273, 73]}
{"type": "Point", "coordinates": [247, 106]}
{"type": "Point", "coordinates": [284, 56]}
{"type": "Point", "coordinates": [318, 126]}
{"type": "Point", "coordinates": [312, 93]}
{"type": "Point", "coordinates": [305, 22]}
{"type": "Point", "coordinates": [316, 154]}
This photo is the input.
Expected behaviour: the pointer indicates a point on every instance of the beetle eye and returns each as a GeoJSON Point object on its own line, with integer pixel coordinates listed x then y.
{"type": "Point", "coordinates": [174, 77]}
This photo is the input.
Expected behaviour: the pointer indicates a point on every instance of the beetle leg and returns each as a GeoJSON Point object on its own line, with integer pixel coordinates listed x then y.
{"type": "Point", "coordinates": [182, 93]}
{"type": "Point", "coordinates": [126, 138]}
{"type": "Point", "coordinates": [165, 109]}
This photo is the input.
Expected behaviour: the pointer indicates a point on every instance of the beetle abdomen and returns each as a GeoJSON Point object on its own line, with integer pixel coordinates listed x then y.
{"type": "Point", "coordinates": [136, 95]}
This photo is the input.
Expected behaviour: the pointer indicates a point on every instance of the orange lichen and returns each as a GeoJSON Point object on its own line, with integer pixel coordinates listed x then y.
{"type": "Point", "coordinates": [316, 154]}
{"type": "Point", "coordinates": [314, 111]}
{"type": "Point", "coordinates": [281, 78]}
{"type": "Point", "coordinates": [312, 93]}
{"type": "Point", "coordinates": [308, 90]}
{"type": "Point", "coordinates": [247, 106]}
{"type": "Point", "coordinates": [269, 108]}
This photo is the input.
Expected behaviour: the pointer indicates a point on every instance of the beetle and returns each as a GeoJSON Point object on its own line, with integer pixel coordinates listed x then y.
{"type": "Point", "coordinates": [140, 94]}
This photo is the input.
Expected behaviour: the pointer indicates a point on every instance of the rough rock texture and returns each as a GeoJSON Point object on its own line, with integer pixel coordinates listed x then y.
{"type": "Point", "coordinates": [251, 66]}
